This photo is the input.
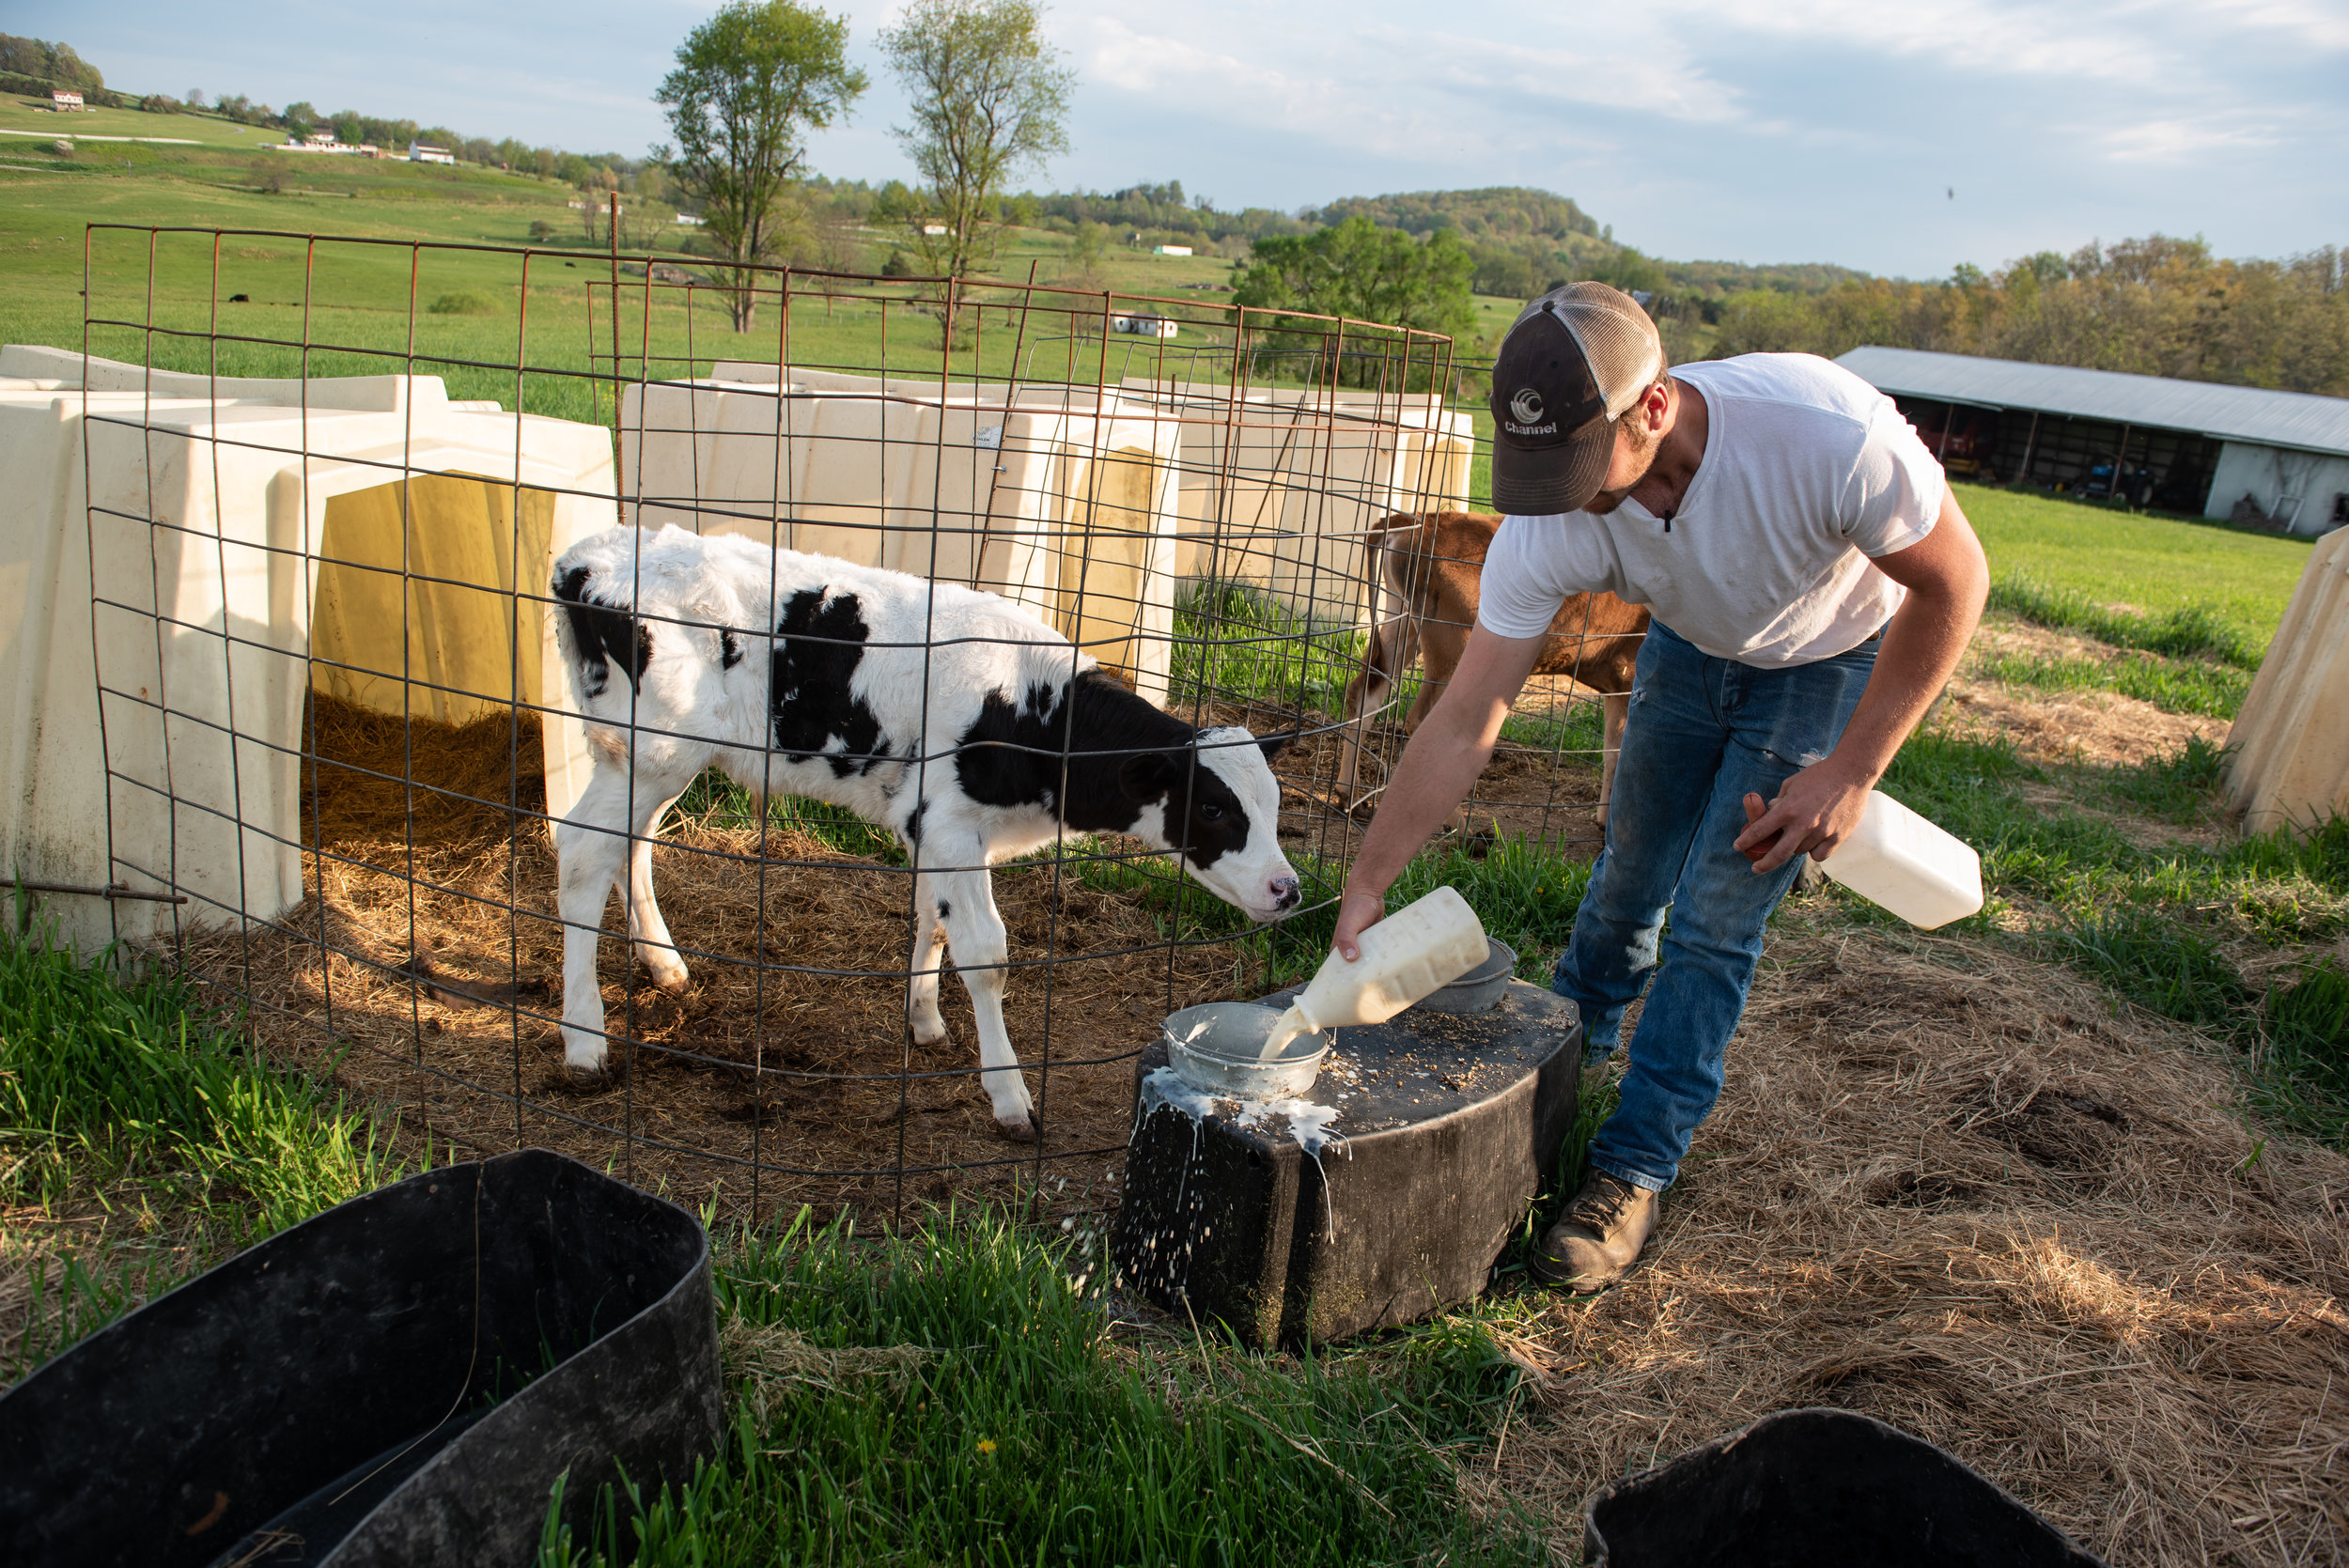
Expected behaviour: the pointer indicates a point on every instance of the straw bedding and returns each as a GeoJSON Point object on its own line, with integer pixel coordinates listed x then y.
{"type": "Point", "coordinates": [1961, 1194]}
{"type": "Point", "coordinates": [437, 1002]}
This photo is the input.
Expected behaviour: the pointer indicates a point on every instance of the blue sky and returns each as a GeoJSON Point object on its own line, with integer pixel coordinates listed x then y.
{"type": "Point", "coordinates": [1745, 129]}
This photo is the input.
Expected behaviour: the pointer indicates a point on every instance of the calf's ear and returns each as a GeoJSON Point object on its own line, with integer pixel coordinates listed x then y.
{"type": "Point", "coordinates": [1146, 776]}
{"type": "Point", "coordinates": [1274, 745]}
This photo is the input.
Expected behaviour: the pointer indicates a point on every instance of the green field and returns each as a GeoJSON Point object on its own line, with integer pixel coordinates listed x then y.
{"type": "Point", "coordinates": [337, 307]}
{"type": "Point", "coordinates": [2136, 561]}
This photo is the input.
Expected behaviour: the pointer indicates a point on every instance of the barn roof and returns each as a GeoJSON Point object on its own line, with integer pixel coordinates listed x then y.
{"type": "Point", "coordinates": [2295, 419]}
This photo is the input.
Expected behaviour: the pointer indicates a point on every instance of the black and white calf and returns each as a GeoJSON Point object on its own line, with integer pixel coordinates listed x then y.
{"type": "Point", "coordinates": [955, 719]}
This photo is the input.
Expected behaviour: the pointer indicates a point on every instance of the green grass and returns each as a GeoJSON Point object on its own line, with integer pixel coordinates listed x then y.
{"type": "Point", "coordinates": [2203, 582]}
{"type": "Point", "coordinates": [1234, 642]}
{"type": "Point", "coordinates": [713, 799]}
{"type": "Point", "coordinates": [1024, 1435]}
{"type": "Point", "coordinates": [2193, 629]}
{"type": "Point", "coordinates": [2307, 1058]}
{"type": "Point", "coordinates": [121, 1092]}
{"type": "Point", "coordinates": [2173, 686]}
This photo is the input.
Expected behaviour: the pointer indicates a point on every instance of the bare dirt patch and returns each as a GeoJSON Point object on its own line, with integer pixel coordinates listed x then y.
{"type": "Point", "coordinates": [1957, 1192]}
{"type": "Point", "coordinates": [2073, 726]}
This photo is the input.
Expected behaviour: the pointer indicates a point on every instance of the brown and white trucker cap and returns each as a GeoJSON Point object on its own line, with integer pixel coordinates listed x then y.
{"type": "Point", "coordinates": [1573, 362]}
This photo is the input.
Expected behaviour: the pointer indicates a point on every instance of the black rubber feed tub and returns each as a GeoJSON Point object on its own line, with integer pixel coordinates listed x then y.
{"type": "Point", "coordinates": [396, 1381]}
{"type": "Point", "coordinates": [1804, 1487]}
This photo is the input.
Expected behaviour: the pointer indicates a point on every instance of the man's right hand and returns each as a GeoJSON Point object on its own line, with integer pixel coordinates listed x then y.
{"type": "Point", "coordinates": [1356, 913]}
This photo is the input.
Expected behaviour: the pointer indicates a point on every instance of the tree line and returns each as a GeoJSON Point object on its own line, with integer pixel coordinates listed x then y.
{"type": "Point", "coordinates": [39, 66]}
{"type": "Point", "coordinates": [2155, 306]}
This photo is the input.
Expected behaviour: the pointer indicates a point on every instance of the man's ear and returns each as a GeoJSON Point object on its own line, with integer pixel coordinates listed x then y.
{"type": "Point", "coordinates": [1146, 776]}
{"type": "Point", "coordinates": [1274, 745]}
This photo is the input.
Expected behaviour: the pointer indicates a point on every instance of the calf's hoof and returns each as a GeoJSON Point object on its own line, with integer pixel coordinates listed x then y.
{"type": "Point", "coordinates": [927, 1031]}
{"type": "Point", "coordinates": [1021, 1129]}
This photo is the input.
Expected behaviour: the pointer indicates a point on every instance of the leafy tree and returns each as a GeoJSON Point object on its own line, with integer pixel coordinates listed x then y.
{"type": "Point", "coordinates": [1628, 270]}
{"type": "Point", "coordinates": [195, 98]}
{"type": "Point", "coordinates": [749, 84]}
{"type": "Point", "coordinates": [300, 119]}
{"type": "Point", "coordinates": [50, 62]}
{"type": "Point", "coordinates": [1091, 240]}
{"type": "Point", "coordinates": [1371, 278]}
{"type": "Point", "coordinates": [989, 96]}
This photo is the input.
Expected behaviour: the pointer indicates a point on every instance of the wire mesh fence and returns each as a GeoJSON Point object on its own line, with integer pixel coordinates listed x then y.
{"type": "Point", "coordinates": [344, 717]}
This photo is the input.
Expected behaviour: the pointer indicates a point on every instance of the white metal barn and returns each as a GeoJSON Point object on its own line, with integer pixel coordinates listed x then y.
{"type": "Point", "coordinates": [2198, 447]}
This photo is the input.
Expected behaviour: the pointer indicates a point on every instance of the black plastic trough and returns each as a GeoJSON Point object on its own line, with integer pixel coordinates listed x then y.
{"type": "Point", "coordinates": [397, 1381]}
{"type": "Point", "coordinates": [1810, 1486]}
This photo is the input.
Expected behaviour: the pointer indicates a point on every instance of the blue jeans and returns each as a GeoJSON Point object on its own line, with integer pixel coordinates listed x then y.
{"type": "Point", "coordinates": [1702, 732]}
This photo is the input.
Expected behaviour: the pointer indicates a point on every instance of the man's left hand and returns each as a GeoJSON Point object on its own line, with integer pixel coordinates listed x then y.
{"type": "Point", "coordinates": [1814, 811]}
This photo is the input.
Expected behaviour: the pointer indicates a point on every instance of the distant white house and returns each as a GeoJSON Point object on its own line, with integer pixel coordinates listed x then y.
{"type": "Point", "coordinates": [933, 228]}
{"type": "Point", "coordinates": [323, 141]}
{"type": "Point", "coordinates": [1145, 326]}
{"type": "Point", "coordinates": [1170, 250]}
{"type": "Point", "coordinates": [65, 102]}
{"type": "Point", "coordinates": [419, 153]}
{"type": "Point", "coordinates": [689, 218]}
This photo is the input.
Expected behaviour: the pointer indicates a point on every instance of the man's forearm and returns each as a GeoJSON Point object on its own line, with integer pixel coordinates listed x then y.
{"type": "Point", "coordinates": [1922, 648]}
{"type": "Point", "coordinates": [1435, 774]}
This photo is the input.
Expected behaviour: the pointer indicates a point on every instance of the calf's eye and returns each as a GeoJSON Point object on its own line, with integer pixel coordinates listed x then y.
{"type": "Point", "coordinates": [1210, 813]}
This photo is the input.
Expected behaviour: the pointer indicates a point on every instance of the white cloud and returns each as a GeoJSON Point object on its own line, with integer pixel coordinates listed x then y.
{"type": "Point", "coordinates": [2181, 140]}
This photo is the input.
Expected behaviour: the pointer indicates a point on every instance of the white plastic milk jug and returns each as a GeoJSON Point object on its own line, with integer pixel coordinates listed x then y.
{"type": "Point", "coordinates": [1411, 954]}
{"type": "Point", "coordinates": [1898, 859]}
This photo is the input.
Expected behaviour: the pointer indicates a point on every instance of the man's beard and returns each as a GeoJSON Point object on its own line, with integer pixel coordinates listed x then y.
{"type": "Point", "coordinates": [1644, 445]}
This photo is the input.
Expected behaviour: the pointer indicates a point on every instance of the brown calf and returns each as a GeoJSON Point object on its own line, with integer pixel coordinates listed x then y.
{"type": "Point", "coordinates": [1433, 563]}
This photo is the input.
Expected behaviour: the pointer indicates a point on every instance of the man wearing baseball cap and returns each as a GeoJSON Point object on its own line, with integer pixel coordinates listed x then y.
{"type": "Point", "coordinates": [1812, 583]}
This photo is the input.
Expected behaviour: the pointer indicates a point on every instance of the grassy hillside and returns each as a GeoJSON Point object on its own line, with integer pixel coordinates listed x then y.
{"type": "Point", "coordinates": [355, 299]}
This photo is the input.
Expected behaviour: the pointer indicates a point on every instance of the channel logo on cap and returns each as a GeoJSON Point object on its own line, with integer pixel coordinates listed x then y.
{"type": "Point", "coordinates": [1527, 407]}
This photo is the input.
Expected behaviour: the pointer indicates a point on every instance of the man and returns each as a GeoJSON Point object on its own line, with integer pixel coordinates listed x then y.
{"type": "Point", "coordinates": [1812, 583]}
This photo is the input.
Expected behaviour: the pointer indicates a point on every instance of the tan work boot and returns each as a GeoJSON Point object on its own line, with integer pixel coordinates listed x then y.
{"type": "Point", "coordinates": [1598, 1237]}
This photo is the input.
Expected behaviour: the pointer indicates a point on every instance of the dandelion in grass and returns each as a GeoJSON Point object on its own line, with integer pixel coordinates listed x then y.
{"type": "Point", "coordinates": [987, 1445]}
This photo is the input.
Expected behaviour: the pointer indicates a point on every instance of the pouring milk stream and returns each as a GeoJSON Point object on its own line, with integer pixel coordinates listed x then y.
{"type": "Point", "coordinates": [1414, 952]}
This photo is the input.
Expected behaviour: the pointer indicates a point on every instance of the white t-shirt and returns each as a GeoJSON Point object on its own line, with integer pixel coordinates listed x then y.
{"type": "Point", "coordinates": [1808, 472]}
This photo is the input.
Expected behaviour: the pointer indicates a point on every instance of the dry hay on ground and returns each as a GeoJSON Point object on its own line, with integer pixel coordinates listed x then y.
{"type": "Point", "coordinates": [1957, 1192]}
{"type": "Point", "coordinates": [2095, 726]}
{"type": "Point", "coordinates": [408, 1036]}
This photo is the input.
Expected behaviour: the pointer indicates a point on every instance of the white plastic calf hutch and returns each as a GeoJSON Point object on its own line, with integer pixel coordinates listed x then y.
{"type": "Point", "coordinates": [1278, 483]}
{"type": "Point", "coordinates": [1063, 501]}
{"type": "Point", "coordinates": [247, 543]}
